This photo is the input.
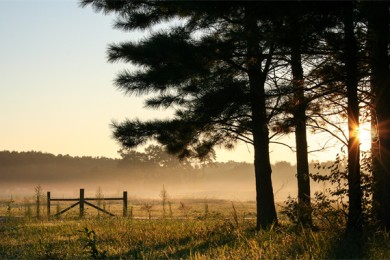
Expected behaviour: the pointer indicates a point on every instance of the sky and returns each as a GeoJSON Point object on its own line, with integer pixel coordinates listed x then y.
{"type": "Point", "coordinates": [56, 86]}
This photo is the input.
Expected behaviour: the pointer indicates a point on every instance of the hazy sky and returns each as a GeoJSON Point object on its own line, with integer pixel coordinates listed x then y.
{"type": "Point", "coordinates": [57, 92]}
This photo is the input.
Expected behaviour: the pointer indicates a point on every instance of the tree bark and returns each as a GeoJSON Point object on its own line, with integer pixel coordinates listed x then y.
{"type": "Point", "coordinates": [300, 126]}
{"type": "Point", "coordinates": [266, 212]}
{"type": "Point", "coordinates": [354, 183]}
{"type": "Point", "coordinates": [378, 32]}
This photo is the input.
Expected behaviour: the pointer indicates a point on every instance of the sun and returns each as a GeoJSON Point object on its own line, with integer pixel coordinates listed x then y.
{"type": "Point", "coordinates": [364, 133]}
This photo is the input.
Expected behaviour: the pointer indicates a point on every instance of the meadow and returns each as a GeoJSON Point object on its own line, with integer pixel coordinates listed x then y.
{"type": "Point", "coordinates": [188, 229]}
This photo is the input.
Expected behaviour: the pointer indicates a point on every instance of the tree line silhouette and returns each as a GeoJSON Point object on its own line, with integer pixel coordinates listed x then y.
{"type": "Point", "coordinates": [148, 170]}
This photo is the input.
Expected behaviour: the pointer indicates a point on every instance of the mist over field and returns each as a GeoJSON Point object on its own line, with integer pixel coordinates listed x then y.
{"type": "Point", "coordinates": [141, 174]}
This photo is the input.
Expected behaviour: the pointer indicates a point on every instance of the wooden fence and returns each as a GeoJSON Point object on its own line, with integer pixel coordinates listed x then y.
{"type": "Point", "coordinates": [82, 201]}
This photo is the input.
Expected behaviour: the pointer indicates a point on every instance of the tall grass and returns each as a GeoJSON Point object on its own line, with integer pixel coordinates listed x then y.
{"type": "Point", "coordinates": [227, 235]}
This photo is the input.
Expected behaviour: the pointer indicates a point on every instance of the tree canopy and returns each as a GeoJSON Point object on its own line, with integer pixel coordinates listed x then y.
{"type": "Point", "coordinates": [249, 71]}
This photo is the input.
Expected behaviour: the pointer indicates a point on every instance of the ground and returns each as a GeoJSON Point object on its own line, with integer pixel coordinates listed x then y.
{"type": "Point", "coordinates": [209, 229]}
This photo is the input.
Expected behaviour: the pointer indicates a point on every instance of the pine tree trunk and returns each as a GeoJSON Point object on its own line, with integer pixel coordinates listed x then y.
{"type": "Point", "coordinates": [378, 33]}
{"type": "Point", "coordinates": [266, 212]}
{"type": "Point", "coordinates": [300, 127]}
{"type": "Point", "coordinates": [354, 187]}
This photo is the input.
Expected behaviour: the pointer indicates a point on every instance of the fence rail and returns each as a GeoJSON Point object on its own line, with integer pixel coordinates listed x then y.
{"type": "Point", "coordinates": [81, 201]}
{"type": "Point", "coordinates": [77, 199]}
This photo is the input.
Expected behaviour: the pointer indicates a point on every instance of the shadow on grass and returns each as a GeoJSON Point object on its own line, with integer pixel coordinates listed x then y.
{"type": "Point", "coordinates": [182, 248]}
{"type": "Point", "coordinates": [349, 246]}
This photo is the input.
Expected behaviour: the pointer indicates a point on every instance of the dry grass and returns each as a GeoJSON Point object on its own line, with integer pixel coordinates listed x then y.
{"type": "Point", "coordinates": [225, 233]}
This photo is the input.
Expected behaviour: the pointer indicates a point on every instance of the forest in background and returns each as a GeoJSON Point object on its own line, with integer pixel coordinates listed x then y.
{"type": "Point", "coordinates": [142, 174]}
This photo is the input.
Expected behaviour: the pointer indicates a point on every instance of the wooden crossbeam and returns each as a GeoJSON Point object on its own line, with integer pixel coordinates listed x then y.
{"type": "Point", "coordinates": [96, 207]}
{"type": "Point", "coordinates": [68, 208]}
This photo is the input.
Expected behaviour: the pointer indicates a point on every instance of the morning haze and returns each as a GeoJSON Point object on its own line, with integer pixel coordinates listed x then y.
{"type": "Point", "coordinates": [221, 129]}
{"type": "Point", "coordinates": [142, 174]}
{"type": "Point", "coordinates": [65, 100]}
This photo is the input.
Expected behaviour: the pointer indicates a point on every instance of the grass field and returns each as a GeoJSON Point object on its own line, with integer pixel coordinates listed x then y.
{"type": "Point", "coordinates": [206, 229]}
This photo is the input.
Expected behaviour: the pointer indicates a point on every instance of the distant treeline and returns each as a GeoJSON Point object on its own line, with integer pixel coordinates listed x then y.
{"type": "Point", "coordinates": [146, 170]}
{"type": "Point", "coordinates": [44, 167]}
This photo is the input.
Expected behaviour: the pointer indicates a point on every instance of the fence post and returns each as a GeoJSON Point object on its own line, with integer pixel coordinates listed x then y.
{"type": "Point", "coordinates": [125, 203]}
{"type": "Point", "coordinates": [48, 205]}
{"type": "Point", "coordinates": [38, 206]}
{"type": "Point", "coordinates": [81, 203]}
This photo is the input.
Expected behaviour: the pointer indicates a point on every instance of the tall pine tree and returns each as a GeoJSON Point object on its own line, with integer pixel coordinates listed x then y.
{"type": "Point", "coordinates": [377, 15]}
{"type": "Point", "coordinates": [212, 71]}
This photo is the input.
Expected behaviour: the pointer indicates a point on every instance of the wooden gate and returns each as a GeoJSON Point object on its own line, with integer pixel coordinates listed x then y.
{"type": "Point", "coordinates": [81, 201]}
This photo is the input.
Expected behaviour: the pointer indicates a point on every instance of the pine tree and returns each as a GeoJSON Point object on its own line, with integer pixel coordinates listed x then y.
{"type": "Point", "coordinates": [377, 15]}
{"type": "Point", "coordinates": [215, 80]}
{"type": "Point", "coordinates": [351, 81]}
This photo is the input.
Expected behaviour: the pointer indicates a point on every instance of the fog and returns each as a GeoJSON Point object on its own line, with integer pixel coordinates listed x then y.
{"type": "Point", "coordinates": [141, 177]}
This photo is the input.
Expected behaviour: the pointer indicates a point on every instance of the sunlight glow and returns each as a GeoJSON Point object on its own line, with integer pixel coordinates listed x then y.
{"type": "Point", "coordinates": [364, 133]}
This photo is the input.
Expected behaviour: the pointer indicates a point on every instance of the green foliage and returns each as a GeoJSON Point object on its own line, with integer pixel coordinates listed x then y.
{"type": "Point", "coordinates": [90, 246]}
{"type": "Point", "coordinates": [334, 199]}
{"type": "Point", "coordinates": [323, 209]}
{"type": "Point", "coordinates": [291, 210]}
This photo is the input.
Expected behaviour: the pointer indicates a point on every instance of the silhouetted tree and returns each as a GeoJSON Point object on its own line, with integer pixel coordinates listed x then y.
{"type": "Point", "coordinates": [305, 23]}
{"type": "Point", "coordinates": [213, 68]}
{"type": "Point", "coordinates": [216, 79]}
{"type": "Point", "coordinates": [377, 14]}
{"type": "Point", "coordinates": [299, 115]}
{"type": "Point", "coordinates": [351, 81]}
